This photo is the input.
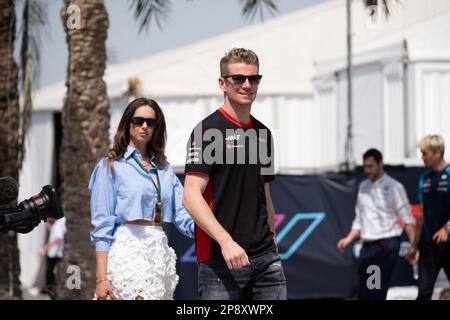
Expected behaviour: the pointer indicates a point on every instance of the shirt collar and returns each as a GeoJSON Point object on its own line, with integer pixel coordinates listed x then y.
{"type": "Point", "coordinates": [130, 151]}
{"type": "Point", "coordinates": [381, 179]}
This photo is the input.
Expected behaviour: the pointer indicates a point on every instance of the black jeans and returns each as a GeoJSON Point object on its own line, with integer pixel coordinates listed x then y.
{"type": "Point", "coordinates": [263, 279]}
{"type": "Point", "coordinates": [50, 276]}
{"type": "Point", "coordinates": [381, 254]}
{"type": "Point", "coordinates": [432, 258]}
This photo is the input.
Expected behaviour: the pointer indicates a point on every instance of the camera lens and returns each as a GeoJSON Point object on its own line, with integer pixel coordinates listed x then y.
{"type": "Point", "coordinates": [54, 206]}
{"type": "Point", "coordinates": [29, 213]}
{"type": "Point", "coordinates": [45, 204]}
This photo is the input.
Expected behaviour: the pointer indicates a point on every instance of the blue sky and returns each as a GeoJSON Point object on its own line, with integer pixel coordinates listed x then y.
{"type": "Point", "coordinates": [189, 21]}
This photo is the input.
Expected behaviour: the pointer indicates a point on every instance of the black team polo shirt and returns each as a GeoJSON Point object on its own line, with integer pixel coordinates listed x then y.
{"type": "Point", "coordinates": [238, 159]}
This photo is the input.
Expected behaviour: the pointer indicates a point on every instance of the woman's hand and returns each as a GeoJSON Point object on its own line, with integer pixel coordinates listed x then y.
{"type": "Point", "coordinates": [103, 290]}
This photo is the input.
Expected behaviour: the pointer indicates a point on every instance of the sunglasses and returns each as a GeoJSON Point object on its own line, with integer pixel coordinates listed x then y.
{"type": "Point", "coordinates": [139, 121]}
{"type": "Point", "coordinates": [239, 79]}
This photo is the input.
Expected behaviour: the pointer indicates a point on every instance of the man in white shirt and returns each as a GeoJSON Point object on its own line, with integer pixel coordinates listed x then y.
{"type": "Point", "coordinates": [53, 249]}
{"type": "Point", "coordinates": [381, 204]}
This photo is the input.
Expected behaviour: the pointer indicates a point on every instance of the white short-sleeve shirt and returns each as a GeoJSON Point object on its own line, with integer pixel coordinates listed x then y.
{"type": "Point", "coordinates": [57, 230]}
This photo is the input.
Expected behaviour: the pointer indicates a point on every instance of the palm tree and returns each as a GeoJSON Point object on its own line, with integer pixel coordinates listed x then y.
{"type": "Point", "coordinates": [12, 135]}
{"type": "Point", "coordinates": [385, 4]}
{"type": "Point", "coordinates": [9, 143]}
{"type": "Point", "coordinates": [85, 121]}
{"type": "Point", "coordinates": [34, 20]}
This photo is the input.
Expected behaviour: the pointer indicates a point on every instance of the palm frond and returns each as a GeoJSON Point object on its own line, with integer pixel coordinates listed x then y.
{"type": "Point", "coordinates": [146, 11]}
{"type": "Point", "coordinates": [33, 22]}
{"type": "Point", "coordinates": [385, 3]}
{"type": "Point", "coordinates": [251, 7]}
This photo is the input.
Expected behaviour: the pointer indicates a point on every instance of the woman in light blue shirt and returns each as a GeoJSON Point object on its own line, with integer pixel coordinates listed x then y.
{"type": "Point", "coordinates": [133, 191]}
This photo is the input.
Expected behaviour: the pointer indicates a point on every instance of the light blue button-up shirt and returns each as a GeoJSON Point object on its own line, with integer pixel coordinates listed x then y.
{"type": "Point", "coordinates": [129, 194]}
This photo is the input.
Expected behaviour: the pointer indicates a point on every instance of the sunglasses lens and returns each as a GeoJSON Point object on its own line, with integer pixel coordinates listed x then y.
{"type": "Point", "coordinates": [254, 79]}
{"type": "Point", "coordinates": [151, 123]}
{"type": "Point", "coordinates": [139, 121]}
{"type": "Point", "coordinates": [239, 79]}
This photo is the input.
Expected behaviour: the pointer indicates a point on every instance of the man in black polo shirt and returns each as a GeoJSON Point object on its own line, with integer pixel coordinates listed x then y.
{"type": "Point", "coordinates": [228, 169]}
{"type": "Point", "coordinates": [432, 225]}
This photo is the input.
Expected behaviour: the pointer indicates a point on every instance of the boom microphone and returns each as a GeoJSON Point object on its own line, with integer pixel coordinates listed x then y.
{"type": "Point", "coordinates": [8, 190]}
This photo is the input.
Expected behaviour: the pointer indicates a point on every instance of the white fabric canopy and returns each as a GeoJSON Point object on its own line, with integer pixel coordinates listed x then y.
{"type": "Point", "coordinates": [289, 47]}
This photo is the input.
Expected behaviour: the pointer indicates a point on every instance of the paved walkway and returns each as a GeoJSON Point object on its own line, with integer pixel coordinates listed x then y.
{"type": "Point", "coordinates": [34, 294]}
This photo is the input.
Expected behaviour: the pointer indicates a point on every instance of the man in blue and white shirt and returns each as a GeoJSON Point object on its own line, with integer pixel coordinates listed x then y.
{"type": "Point", "coordinates": [381, 204]}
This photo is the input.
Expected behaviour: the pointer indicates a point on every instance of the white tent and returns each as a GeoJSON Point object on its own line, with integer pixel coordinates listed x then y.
{"type": "Point", "coordinates": [302, 94]}
{"type": "Point", "coordinates": [401, 88]}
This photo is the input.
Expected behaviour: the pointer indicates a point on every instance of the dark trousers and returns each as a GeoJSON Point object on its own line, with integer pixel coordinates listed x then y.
{"type": "Point", "coordinates": [50, 276]}
{"type": "Point", "coordinates": [375, 265]}
{"type": "Point", "coordinates": [432, 258]}
{"type": "Point", "coordinates": [263, 279]}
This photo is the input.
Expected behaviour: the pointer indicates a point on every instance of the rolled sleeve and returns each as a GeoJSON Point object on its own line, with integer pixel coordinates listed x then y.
{"type": "Point", "coordinates": [356, 225]}
{"type": "Point", "coordinates": [102, 245]}
{"type": "Point", "coordinates": [419, 189]}
{"type": "Point", "coordinates": [103, 217]}
{"type": "Point", "coordinates": [402, 206]}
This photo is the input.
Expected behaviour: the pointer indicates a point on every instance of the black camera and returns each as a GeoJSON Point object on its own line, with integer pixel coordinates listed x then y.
{"type": "Point", "coordinates": [30, 212]}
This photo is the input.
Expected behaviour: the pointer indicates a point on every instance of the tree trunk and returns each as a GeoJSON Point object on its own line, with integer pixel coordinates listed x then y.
{"type": "Point", "coordinates": [9, 144]}
{"type": "Point", "coordinates": [85, 139]}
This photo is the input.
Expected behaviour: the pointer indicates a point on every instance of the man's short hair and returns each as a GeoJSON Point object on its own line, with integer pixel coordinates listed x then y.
{"type": "Point", "coordinates": [433, 142]}
{"type": "Point", "coordinates": [445, 294]}
{"type": "Point", "coordinates": [376, 154]}
{"type": "Point", "coordinates": [237, 55]}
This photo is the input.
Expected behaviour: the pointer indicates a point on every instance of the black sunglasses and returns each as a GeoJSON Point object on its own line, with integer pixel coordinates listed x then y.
{"type": "Point", "coordinates": [139, 121]}
{"type": "Point", "coordinates": [239, 79]}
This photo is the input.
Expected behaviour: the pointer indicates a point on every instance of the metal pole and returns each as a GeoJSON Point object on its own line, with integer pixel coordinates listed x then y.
{"type": "Point", "coordinates": [349, 140]}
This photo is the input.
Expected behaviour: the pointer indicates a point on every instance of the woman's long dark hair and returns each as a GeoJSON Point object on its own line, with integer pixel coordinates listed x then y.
{"type": "Point", "coordinates": [157, 142]}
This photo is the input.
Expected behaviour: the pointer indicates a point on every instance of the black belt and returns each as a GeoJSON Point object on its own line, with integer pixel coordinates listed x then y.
{"type": "Point", "coordinates": [383, 243]}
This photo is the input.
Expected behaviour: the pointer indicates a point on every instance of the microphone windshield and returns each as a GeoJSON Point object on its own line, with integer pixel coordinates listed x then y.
{"type": "Point", "coordinates": [8, 190]}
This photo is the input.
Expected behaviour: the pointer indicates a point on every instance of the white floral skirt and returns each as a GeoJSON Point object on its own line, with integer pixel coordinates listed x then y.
{"type": "Point", "coordinates": [141, 264]}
